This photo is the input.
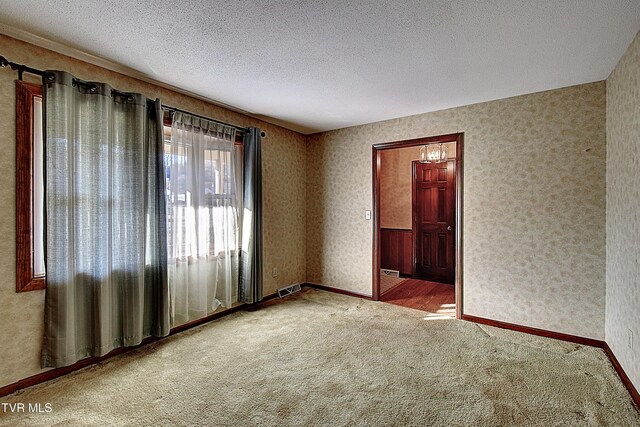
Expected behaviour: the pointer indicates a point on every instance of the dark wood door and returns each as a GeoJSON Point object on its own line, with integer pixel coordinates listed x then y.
{"type": "Point", "coordinates": [434, 221]}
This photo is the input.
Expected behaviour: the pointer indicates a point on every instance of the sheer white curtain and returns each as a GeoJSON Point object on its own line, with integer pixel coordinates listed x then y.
{"type": "Point", "coordinates": [202, 218]}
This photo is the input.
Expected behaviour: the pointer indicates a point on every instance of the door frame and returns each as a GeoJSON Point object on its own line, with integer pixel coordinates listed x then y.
{"type": "Point", "coordinates": [458, 138]}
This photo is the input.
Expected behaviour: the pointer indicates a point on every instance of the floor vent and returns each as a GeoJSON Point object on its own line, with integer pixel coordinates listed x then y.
{"type": "Point", "coordinates": [389, 273]}
{"type": "Point", "coordinates": [288, 290]}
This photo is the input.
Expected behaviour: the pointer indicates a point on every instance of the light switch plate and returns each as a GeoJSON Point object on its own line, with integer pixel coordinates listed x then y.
{"type": "Point", "coordinates": [367, 214]}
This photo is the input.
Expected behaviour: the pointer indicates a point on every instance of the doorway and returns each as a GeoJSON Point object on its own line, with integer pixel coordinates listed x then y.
{"type": "Point", "coordinates": [418, 225]}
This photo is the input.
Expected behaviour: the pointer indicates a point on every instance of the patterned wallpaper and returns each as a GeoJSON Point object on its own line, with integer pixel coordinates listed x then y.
{"type": "Point", "coordinates": [534, 205]}
{"type": "Point", "coordinates": [284, 200]}
{"type": "Point", "coordinates": [623, 207]}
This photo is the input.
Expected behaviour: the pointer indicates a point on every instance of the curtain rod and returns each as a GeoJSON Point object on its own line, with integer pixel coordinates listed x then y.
{"type": "Point", "coordinates": [178, 110]}
{"type": "Point", "coordinates": [21, 68]}
{"type": "Point", "coordinates": [238, 128]}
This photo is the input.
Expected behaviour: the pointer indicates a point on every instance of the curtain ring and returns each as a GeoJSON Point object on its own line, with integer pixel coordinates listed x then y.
{"type": "Point", "coordinates": [93, 88]}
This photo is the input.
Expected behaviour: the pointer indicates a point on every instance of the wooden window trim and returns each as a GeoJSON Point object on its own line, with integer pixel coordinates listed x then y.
{"type": "Point", "coordinates": [25, 280]}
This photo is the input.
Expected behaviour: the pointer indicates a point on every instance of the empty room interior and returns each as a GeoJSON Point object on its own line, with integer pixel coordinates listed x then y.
{"type": "Point", "coordinates": [320, 213]}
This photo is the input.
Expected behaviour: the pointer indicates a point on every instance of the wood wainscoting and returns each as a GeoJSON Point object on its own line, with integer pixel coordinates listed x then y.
{"type": "Point", "coordinates": [396, 250]}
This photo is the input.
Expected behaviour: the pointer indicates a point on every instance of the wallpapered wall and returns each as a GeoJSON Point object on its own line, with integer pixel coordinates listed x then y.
{"type": "Point", "coordinates": [284, 201]}
{"type": "Point", "coordinates": [623, 207]}
{"type": "Point", "coordinates": [534, 206]}
{"type": "Point", "coordinates": [396, 172]}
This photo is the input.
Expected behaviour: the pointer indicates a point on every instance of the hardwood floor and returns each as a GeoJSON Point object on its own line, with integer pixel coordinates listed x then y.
{"type": "Point", "coordinates": [437, 298]}
{"type": "Point", "coordinates": [387, 283]}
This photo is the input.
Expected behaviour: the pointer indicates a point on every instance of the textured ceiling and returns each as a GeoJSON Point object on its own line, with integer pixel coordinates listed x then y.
{"type": "Point", "coordinates": [320, 65]}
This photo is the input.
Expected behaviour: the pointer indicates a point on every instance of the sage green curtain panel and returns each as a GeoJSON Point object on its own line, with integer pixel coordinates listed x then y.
{"type": "Point", "coordinates": [203, 218]}
{"type": "Point", "coordinates": [106, 220]}
{"type": "Point", "coordinates": [251, 256]}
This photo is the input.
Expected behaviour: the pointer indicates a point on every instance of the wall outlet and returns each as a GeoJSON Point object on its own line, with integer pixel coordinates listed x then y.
{"type": "Point", "coordinates": [274, 272]}
{"type": "Point", "coordinates": [629, 339]}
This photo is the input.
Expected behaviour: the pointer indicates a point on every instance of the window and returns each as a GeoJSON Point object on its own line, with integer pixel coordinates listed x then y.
{"type": "Point", "coordinates": [30, 230]}
{"type": "Point", "coordinates": [218, 194]}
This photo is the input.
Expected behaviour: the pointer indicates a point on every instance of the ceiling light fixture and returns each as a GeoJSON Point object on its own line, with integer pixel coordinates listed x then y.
{"type": "Point", "coordinates": [434, 153]}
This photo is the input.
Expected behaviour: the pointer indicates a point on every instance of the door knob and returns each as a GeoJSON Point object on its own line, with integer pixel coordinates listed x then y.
{"type": "Point", "coordinates": [448, 228]}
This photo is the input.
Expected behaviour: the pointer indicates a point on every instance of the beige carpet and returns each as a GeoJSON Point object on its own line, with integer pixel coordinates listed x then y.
{"type": "Point", "coordinates": [322, 359]}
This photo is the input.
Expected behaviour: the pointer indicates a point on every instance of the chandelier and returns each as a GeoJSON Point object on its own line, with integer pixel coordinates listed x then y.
{"type": "Point", "coordinates": [434, 153]}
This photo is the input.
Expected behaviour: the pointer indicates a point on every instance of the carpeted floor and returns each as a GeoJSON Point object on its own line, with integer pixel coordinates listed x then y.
{"type": "Point", "coordinates": [322, 359]}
